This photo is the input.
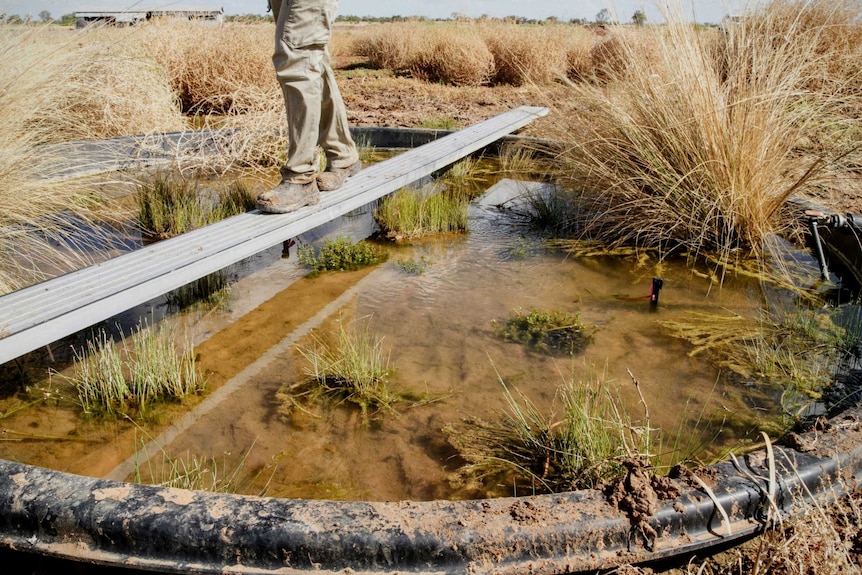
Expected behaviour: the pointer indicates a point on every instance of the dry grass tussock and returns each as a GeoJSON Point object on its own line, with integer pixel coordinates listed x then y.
{"type": "Point", "coordinates": [526, 54]}
{"type": "Point", "coordinates": [225, 77]}
{"type": "Point", "coordinates": [60, 86]}
{"type": "Point", "coordinates": [609, 54]}
{"type": "Point", "coordinates": [213, 69]}
{"type": "Point", "coordinates": [675, 153]}
{"type": "Point", "coordinates": [451, 56]}
{"type": "Point", "coordinates": [391, 47]}
{"type": "Point", "coordinates": [476, 54]}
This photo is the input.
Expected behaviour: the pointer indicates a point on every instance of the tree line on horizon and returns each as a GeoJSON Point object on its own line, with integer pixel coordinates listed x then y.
{"type": "Point", "coordinates": [602, 18]}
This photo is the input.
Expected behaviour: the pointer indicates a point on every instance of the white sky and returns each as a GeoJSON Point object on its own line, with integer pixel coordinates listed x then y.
{"type": "Point", "coordinates": [703, 10]}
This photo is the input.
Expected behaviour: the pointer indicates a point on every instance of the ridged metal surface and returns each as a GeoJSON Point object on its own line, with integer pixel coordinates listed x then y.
{"type": "Point", "coordinates": [38, 315]}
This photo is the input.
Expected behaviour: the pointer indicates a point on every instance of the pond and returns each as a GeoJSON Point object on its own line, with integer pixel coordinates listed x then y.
{"type": "Point", "coordinates": [436, 322]}
{"type": "Point", "coordinates": [437, 328]}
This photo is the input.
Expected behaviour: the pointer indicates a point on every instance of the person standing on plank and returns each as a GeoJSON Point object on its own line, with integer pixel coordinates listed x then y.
{"type": "Point", "coordinates": [315, 111]}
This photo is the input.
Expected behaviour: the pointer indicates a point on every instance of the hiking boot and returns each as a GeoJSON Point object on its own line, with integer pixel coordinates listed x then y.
{"type": "Point", "coordinates": [333, 178]}
{"type": "Point", "coordinates": [289, 196]}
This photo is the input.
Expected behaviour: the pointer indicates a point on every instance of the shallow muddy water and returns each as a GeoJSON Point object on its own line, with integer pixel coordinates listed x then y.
{"type": "Point", "coordinates": [437, 328]}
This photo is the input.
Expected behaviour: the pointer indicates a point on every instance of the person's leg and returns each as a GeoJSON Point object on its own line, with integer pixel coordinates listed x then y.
{"type": "Point", "coordinates": [335, 138]}
{"type": "Point", "coordinates": [342, 158]}
{"type": "Point", "coordinates": [301, 33]}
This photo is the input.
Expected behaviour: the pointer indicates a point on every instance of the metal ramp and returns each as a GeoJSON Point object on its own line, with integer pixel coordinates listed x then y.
{"type": "Point", "coordinates": [38, 315]}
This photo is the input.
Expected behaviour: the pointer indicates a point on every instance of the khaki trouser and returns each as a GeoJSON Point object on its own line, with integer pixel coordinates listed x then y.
{"type": "Point", "coordinates": [315, 111]}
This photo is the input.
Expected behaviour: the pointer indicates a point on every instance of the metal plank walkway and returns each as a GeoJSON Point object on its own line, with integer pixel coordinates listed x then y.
{"type": "Point", "coordinates": [38, 315]}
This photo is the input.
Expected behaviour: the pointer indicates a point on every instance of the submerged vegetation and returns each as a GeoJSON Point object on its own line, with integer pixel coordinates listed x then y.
{"type": "Point", "coordinates": [352, 367]}
{"type": "Point", "coordinates": [547, 330]}
{"type": "Point", "coordinates": [116, 378]}
{"type": "Point", "coordinates": [223, 474]}
{"type": "Point", "coordinates": [799, 351]}
{"type": "Point", "coordinates": [341, 254]}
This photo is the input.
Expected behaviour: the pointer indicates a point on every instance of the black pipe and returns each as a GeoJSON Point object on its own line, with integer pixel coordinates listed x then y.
{"type": "Point", "coordinates": [88, 520]}
{"type": "Point", "coordinates": [655, 288]}
{"type": "Point", "coordinates": [818, 247]}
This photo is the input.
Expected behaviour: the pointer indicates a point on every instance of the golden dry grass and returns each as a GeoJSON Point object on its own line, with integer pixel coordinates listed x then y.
{"type": "Point", "coordinates": [60, 86]}
{"type": "Point", "coordinates": [474, 54]}
{"type": "Point", "coordinates": [391, 47]}
{"type": "Point", "coordinates": [675, 152]}
{"type": "Point", "coordinates": [213, 69]}
{"type": "Point", "coordinates": [224, 76]}
{"type": "Point", "coordinates": [452, 55]}
{"type": "Point", "coordinates": [526, 54]}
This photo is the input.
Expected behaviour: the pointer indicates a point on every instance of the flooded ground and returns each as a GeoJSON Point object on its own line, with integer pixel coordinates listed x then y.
{"type": "Point", "coordinates": [437, 327]}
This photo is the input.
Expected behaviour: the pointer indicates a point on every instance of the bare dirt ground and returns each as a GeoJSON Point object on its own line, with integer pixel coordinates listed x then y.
{"type": "Point", "coordinates": [379, 98]}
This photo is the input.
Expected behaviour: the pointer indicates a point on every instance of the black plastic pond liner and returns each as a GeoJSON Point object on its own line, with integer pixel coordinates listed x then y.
{"type": "Point", "coordinates": [88, 520]}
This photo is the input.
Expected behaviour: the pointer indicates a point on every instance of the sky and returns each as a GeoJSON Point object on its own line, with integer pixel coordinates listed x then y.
{"type": "Point", "coordinates": [705, 11]}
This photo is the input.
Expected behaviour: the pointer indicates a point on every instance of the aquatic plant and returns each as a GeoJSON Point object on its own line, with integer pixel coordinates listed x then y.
{"type": "Point", "coordinates": [410, 214]}
{"type": "Point", "coordinates": [548, 209]}
{"type": "Point", "coordinates": [414, 267]}
{"type": "Point", "coordinates": [191, 471]}
{"type": "Point", "coordinates": [341, 254]}
{"type": "Point", "coordinates": [353, 368]}
{"type": "Point", "coordinates": [212, 290]}
{"type": "Point", "coordinates": [546, 330]}
{"type": "Point", "coordinates": [113, 378]}
{"type": "Point", "coordinates": [100, 378]}
{"type": "Point", "coordinates": [169, 204]}
{"type": "Point", "coordinates": [796, 350]}
{"type": "Point", "coordinates": [535, 452]}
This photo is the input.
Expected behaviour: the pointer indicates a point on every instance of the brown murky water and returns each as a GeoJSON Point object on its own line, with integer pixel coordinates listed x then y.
{"type": "Point", "coordinates": [437, 327]}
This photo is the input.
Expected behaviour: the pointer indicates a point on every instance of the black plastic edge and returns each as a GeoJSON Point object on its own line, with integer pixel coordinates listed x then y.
{"type": "Point", "coordinates": [90, 520]}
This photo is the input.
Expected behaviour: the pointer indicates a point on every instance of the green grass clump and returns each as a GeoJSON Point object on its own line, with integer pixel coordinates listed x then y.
{"type": "Point", "coordinates": [414, 267]}
{"type": "Point", "coordinates": [191, 471]}
{"type": "Point", "coordinates": [409, 214]}
{"type": "Point", "coordinates": [341, 254]}
{"type": "Point", "coordinates": [547, 330]}
{"type": "Point", "coordinates": [115, 379]}
{"type": "Point", "coordinates": [353, 368]}
{"type": "Point", "coordinates": [533, 452]}
{"type": "Point", "coordinates": [170, 205]}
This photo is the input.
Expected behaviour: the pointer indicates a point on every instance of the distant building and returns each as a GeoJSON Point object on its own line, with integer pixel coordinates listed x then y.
{"type": "Point", "coordinates": [211, 16]}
